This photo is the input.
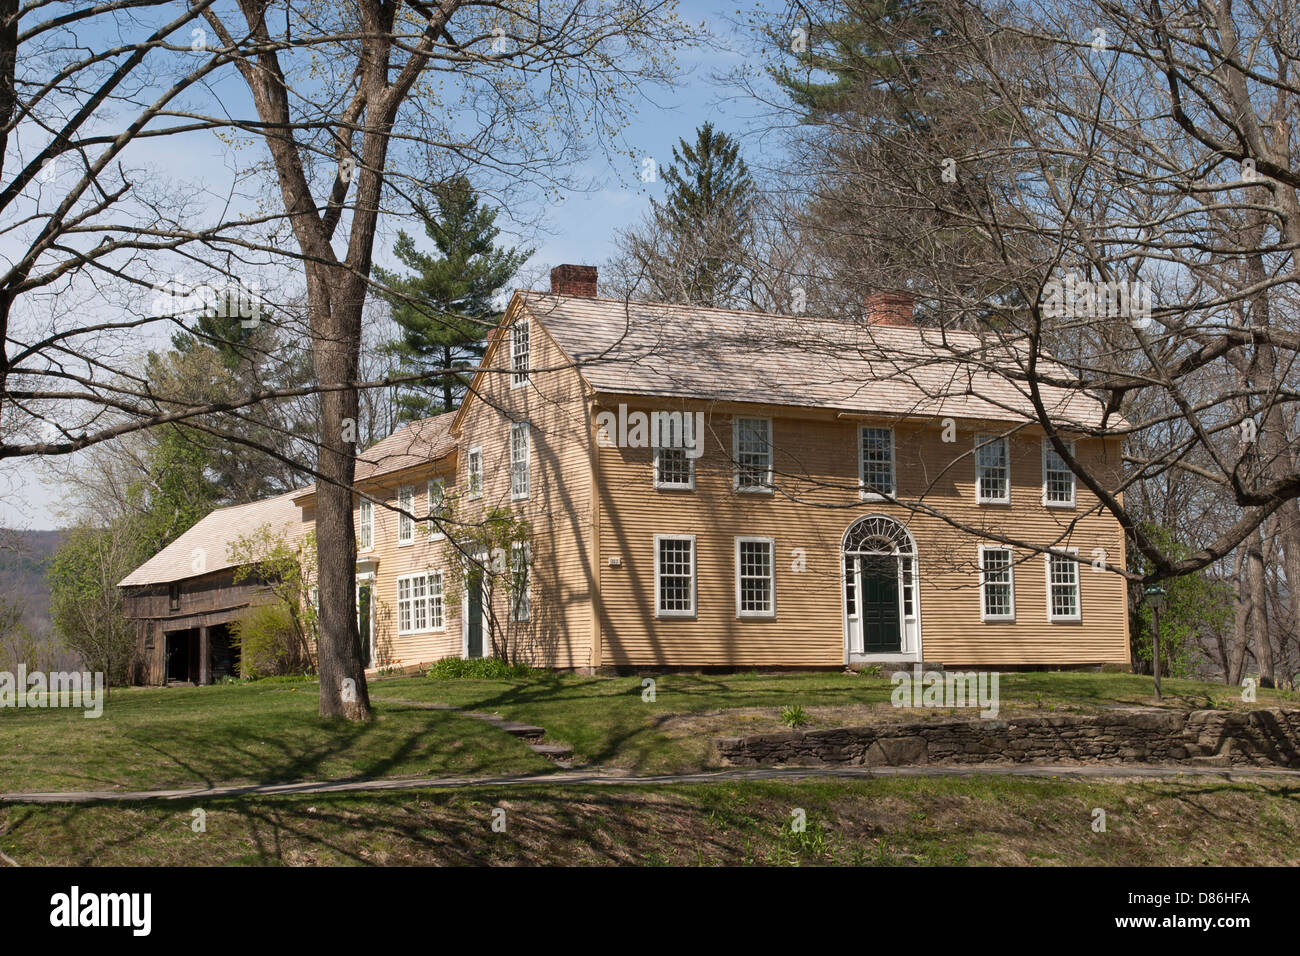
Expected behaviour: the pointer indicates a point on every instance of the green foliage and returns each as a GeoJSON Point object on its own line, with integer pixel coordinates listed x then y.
{"type": "Point", "coordinates": [792, 716]}
{"type": "Point", "coordinates": [478, 668]}
{"type": "Point", "coordinates": [444, 306]}
{"type": "Point", "coordinates": [1196, 605]}
{"type": "Point", "coordinates": [268, 641]}
{"type": "Point", "coordinates": [287, 567]}
{"type": "Point", "coordinates": [496, 540]}
{"type": "Point", "coordinates": [85, 603]}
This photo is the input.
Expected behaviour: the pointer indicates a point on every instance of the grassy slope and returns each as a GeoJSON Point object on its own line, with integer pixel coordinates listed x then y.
{"type": "Point", "coordinates": [234, 734]}
{"type": "Point", "coordinates": [975, 821]}
{"type": "Point", "coordinates": [608, 723]}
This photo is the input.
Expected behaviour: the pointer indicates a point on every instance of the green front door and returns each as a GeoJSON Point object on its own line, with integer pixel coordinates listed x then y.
{"type": "Point", "coordinates": [363, 621]}
{"type": "Point", "coordinates": [879, 613]}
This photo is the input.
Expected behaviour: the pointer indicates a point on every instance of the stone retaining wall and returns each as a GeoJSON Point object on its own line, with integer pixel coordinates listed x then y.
{"type": "Point", "coordinates": [1221, 738]}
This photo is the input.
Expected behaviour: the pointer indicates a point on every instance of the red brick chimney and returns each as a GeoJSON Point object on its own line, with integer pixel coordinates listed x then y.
{"type": "Point", "coordinates": [890, 308]}
{"type": "Point", "coordinates": [574, 280]}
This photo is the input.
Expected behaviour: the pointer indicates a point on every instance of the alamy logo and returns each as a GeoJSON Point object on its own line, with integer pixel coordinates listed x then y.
{"type": "Point", "coordinates": [946, 689]}
{"type": "Point", "coordinates": [673, 430]}
{"type": "Point", "coordinates": [237, 300]}
{"type": "Point", "coordinates": [73, 689]}
{"type": "Point", "coordinates": [1081, 298]}
{"type": "Point", "coordinates": [76, 909]}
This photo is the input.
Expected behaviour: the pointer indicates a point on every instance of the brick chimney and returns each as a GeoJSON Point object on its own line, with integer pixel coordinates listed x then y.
{"type": "Point", "coordinates": [890, 308]}
{"type": "Point", "coordinates": [574, 280]}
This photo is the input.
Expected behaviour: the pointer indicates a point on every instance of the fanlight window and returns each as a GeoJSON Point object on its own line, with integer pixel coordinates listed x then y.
{"type": "Point", "coordinates": [877, 534]}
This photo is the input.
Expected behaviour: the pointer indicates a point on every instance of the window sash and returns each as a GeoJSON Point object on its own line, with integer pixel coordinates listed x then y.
{"type": "Point", "coordinates": [674, 576]}
{"type": "Point", "coordinates": [406, 506]}
{"type": "Point", "coordinates": [876, 462]}
{"type": "Point", "coordinates": [519, 357]}
{"type": "Point", "coordinates": [420, 603]}
{"type": "Point", "coordinates": [673, 467]}
{"type": "Point", "coordinates": [752, 451]}
{"type": "Point", "coordinates": [474, 472]}
{"type": "Point", "coordinates": [1058, 479]}
{"type": "Point", "coordinates": [997, 584]}
{"type": "Point", "coordinates": [519, 477]}
{"type": "Point", "coordinates": [437, 506]}
{"type": "Point", "coordinates": [1063, 587]}
{"type": "Point", "coordinates": [992, 469]}
{"type": "Point", "coordinates": [755, 577]}
{"type": "Point", "coordinates": [366, 525]}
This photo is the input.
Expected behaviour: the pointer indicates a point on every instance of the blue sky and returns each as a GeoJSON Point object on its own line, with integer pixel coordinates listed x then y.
{"type": "Point", "coordinates": [579, 230]}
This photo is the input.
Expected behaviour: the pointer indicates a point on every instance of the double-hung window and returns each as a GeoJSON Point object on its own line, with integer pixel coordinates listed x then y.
{"type": "Point", "coordinates": [437, 507]}
{"type": "Point", "coordinates": [365, 525]}
{"type": "Point", "coordinates": [474, 472]}
{"type": "Point", "coordinates": [674, 467]}
{"type": "Point", "coordinates": [519, 353]}
{"type": "Point", "coordinates": [521, 603]}
{"type": "Point", "coordinates": [992, 470]}
{"type": "Point", "coordinates": [1058, 479]}
{"type": "Point", "coordinates": [674, 575]}
{"type": "Point", "coordinates": [1063, 586]}
{"type": "Point", "coordinates": [405, 514]}
{"type": "Point", "coordinates": [420, 603]}
{"type": "Point", "coordinates": [876, 462]}
{"type": "Point", "coordinates": [755, 577]}
{"type": "Point", "coordinates": [752, 444]}
{"type": "Point", "coordinates": [997, 584]}
{"type": "Point", "coordinates": [519, 461]}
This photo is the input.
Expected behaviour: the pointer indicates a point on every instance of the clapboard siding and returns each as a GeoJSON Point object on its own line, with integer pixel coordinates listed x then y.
{"type": "Point", "coordinates": [815, 501]}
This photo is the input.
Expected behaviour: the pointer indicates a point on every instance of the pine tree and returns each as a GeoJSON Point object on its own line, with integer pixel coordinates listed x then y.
{"type": "Point", "coordinates": [445, 304]}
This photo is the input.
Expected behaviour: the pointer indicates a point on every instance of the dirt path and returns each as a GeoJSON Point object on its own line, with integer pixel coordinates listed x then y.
{"type": "Point", "coordinates": [598, 777]}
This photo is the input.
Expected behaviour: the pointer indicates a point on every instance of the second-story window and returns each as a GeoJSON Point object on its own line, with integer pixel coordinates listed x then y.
{"type": "Point", "coordinates": [519, 477]}
{"type": "Point", "coordinates": [752, 442]}
{"type": "Point", "coordinates": [519, 353]}
{"type": "Point", "coordinates": [674, 467]}
{"type": "Point", "coordinates": [876, 447]}
{"type": "Point", "coordinates": [437, 507]}
{"type": "Point", "coordinates": [992, 469]}
{"type": "Point", "coordinates": [474, 473]}
{"type": "Point", "coordinates": [405, 522]}
{"type": "Point", "coordinates": [1058, 479]}
{"type": "Point", "coordinates": [365, 525]}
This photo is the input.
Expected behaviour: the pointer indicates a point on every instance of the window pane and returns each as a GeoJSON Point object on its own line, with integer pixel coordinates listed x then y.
{"type": "Point", "coordinates": [519, 460]}
{"type": "Point", "coordinates": [753, 452]}
{"type": "Point", "coordinates": [1057, 478]}
{"type": "Point", "coordinates": [850, 586]}
{"type": "Point", "coordinates": [755, 573]}
{"type": "Point", "coordinates": [877, 461]}
{"type": "Point", "coordinates": [991, 467]}
{"type": "Point", "coordinates": [997, 582]}
{"type": "Point", "coordinates": [1065, 586]}
{"type": "Point", "coordinates": [519, 352]}
{"type": "Point", "coordinates": [675, 570]}
{"type": "Point", "coordinates": [435, 599]}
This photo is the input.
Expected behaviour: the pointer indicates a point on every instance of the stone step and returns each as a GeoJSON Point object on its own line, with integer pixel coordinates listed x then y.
{"type": "Point", "coordinates": [552, 751]}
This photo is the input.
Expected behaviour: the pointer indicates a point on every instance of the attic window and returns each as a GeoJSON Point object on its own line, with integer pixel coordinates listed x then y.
{"type": "Point", "coordinates": [519, 353]}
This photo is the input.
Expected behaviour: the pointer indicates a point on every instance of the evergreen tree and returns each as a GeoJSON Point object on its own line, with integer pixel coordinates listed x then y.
{"type": "Point", "coordinates": [445, 304]}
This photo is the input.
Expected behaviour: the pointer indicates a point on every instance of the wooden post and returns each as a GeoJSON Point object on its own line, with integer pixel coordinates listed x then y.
{"type": "Point", "coordinates": [205, 656]}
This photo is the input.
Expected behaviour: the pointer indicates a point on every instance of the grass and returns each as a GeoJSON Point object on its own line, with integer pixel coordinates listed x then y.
{"type": "Point", "coordinates": [258, 733]}
{"type": "Point", "coordinates": [916, 822]}
{"type": "Point", "coordinates": [609, 721]}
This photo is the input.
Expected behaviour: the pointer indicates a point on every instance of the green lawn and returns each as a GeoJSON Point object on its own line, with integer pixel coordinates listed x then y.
{"type": "Point", "coordinates": [941, 821]}
{"type": "Point", "coordinates": [609, 724]}
{"type": "Point", "coordinates": [263, 733]}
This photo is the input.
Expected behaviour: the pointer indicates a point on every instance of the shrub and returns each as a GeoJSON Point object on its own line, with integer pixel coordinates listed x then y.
{"type": "Point", "coordinates": [269, 642]}
{"type": "Point", "coordinates": [477, 668]}
{"type": "Point", "coordinates": [793, 716]}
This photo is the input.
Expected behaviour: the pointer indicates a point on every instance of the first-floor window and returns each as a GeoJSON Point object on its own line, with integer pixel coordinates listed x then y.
{"type": "Point", "coordinates": [851, 586]}
{"type": "Point", "coordinates": [755, 577]}
{"type": "Point", "coordinates": [997, 588]}
{"type": "Point", "coordinates": [419, 602]}
{"type": "Point", "coordinates": [1063, 587]}
{"type": "Point", "coordinates": [909, 598]}
{"type": "Point", "coordinates": [674, 575]}
{"type": "Point", "coordinates": [521, 604]}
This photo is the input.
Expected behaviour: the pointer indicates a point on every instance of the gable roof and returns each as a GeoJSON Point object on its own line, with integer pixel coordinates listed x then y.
{"type": "Point", "coordinates": [211, 538]}
{"type": "Point", "coordinates": [675, 351]}
{"type": "Point", "coordinates": [416, 443]}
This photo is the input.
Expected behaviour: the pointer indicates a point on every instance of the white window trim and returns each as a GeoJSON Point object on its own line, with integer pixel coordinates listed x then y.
{"type": "Point", "coordinates": [1074, 481]}
{"type": "Point", "coordinates": [402, 520]}
{"type": "Point", "coordinates": [763, 489]}
{"type": "Point", "coordinates": [688, 485]}
{"type": "Point", "coordinates": [1077, 617]}
{"type": "Point", "coordinates": [771, 577]}
{"type": "Point", "coordinates": [1011, 569]}
{"type": "Point", "coordinates": [863, 493]}
{"type": "Point", "coordinates": [527, 550]}
{"type": "Point", "coordinates": [427, 600]}
{"type": "Point", "coordinates": [435, 534]}
{"type": "Point", "coordinates": [472, 492]}
{"type": "Point", "coordinates": [528, 460]}
{"type": "Point", "coordinates": [518, 376]}
{"type": "Point", "coordinates": [694, 577]}
{"type": "Point", "coordinates": [984, 439]}
{"type": "Point", "coordinates": [365, 506]}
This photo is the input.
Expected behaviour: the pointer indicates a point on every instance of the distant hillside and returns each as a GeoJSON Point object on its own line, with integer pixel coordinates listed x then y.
{"type": "Point", "coordinates": [24, 558]}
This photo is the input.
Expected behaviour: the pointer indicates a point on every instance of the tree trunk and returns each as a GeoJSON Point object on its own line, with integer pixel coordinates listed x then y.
{"type": "Point", "coordinates": [1260, 642]}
